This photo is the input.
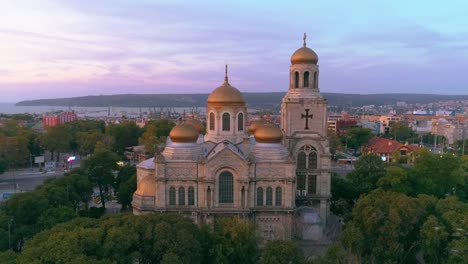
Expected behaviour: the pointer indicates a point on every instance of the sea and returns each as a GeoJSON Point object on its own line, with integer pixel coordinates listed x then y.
{"type": "Point", "coordinates": [11, 108]}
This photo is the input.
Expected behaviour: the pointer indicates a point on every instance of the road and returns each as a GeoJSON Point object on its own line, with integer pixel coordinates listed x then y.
{"type": "Point", "coordinates": [25, 180]}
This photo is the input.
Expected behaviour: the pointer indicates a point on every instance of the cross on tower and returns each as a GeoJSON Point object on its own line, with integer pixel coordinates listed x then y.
{"type": "Point", "coordinates": [307, 116]}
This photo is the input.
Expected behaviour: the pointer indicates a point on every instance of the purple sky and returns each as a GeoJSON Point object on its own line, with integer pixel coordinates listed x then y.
{"type": "Point", "coordinates": [71, 48]}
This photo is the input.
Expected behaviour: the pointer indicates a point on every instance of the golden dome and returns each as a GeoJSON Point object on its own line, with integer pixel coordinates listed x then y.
{"type": "Point", "coordinates": [197, 124]}
{"type": "Point", "coordinates": [304, 55]}
{"type": "Point", "coordinates": [183, 133]}
{"type": "Point", "coordinates": [268, 133]}
{"type": "Point", "coordinates": [254, 125]}
{"type": "Point", "coordinates": [146, 187]}
{"type": "Point", "coordinates": [226, 93]}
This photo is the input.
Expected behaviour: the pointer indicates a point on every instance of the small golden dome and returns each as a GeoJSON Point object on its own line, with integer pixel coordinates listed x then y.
{"type": "Point", "coordinates": [197, 124]}
{"type": "Point", "coordinates": [254, 125]}
{"type": "Point", "coordinates": [226, 93]}
{"type": "Point", "coordinates": [146, 187]}
{"type": "Point", "coordinates": [304, 55]}
{"type": "Point", "coordinates": [184, 133]}
{"type": "Point", "coordinates": [268, 133]}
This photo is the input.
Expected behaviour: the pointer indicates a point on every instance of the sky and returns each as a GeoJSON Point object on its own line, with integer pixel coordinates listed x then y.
{"type": "Point", "coordinates": [65, 48]}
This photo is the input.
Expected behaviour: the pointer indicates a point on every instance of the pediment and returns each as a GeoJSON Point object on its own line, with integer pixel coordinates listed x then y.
{"type": "Point", "coordinates": [227, 158]}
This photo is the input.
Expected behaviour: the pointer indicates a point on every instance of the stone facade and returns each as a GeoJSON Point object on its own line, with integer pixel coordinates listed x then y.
{"type": "Point", "coordinates": [281, 186]}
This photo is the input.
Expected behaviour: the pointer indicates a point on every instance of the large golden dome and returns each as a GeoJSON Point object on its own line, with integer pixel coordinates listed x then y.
{"type": "Point", "coordinates": [146, 187]}
{"type": "Point", "coordinates": [226, 93]}
{"type": "Point", "coordinates": [268, 133]}
{"type": "Point", "coordinates": [304, 55]}
{"type": "Point", "coordinates": [197, 124]}
{"type": "Point", "coordinates": [254, 125]}
{"type": "Point", "coordinates": [184, 133]}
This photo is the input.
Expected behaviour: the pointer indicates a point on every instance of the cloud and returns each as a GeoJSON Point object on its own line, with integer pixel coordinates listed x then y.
{"type": "Point", "coordinates": [161, 46]}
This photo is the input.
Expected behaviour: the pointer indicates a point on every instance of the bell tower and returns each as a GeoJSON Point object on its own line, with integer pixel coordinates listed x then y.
{"type": "Point", "coordinates": [303, 109]}
{"type": "Point", "coordinates": [304, 125]}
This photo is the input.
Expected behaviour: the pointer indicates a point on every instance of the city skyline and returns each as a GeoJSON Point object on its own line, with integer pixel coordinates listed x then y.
{"type": "Point", "coordinates": [75, 48]}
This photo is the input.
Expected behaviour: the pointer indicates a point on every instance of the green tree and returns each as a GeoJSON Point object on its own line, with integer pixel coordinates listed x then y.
{"type": "Point", "coordinates": [367, 171]}
{"type": "Point", "coordinates": [120, 238]}
{"type": "Point", "coordinates": [401, 132]}
{"type": "Point", "coordinates": [356, 137]}
{"type": "Point", "coordinates": [149, 139]}
{"type": "Point", "coordinates": [235, 241]}
{"type": "Point", "coordinates": [461, 146]}
{"type": "Point", "coordinates": [396, 179]}
{"type": "Point", "coordinates": [24, 209]}
{"type": "Point", "coordinates": [3, 165]}
{"type": "Point", "coordinates": [385, 227]}
{"type": "Point", "coordinates": [55, 215]}
{"type": "Point", "coordinates": [343, 196]}
{"type": "Point", "coordinates": [14, 151]}
{"type": "Point", "coordinates": [87, 141]}
{"type": "Point", "coordinates": [57, 139]}
{"type": "Point", "coordinates": [429, 139]}
{"type": "Point", "coordinates": [335, 254]}
{"type": "Point", "coordinates": [335, 142]}
{"type": "Point", "coordinates": [100, 169]}
{"type": "Point", "coordinates": [125, 186]}
{"type": "Point", "coordinates": [8, 257]}
{"type": "Point", "coordinates": [163, 127]}
{"type": "Point", "coordinates": [434, 240]}
{"type": "Point", "coordinates": [438, 175]}
{"type": "Point", "coordinates": [281, 252]}
{"type": "Point", "coordinates": [125, 135]}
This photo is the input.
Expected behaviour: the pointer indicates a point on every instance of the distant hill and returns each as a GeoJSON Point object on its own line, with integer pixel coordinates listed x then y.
{"type": "Point", "coordinates": [253, 99]}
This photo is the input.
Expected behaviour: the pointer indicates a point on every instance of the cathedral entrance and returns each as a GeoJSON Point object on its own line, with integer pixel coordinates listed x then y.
{"type": "Point", "coordinates": [308, 224]}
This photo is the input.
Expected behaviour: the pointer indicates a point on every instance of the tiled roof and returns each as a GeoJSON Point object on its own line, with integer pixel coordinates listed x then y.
{"type": "Point", "coordinates": [384, 145]}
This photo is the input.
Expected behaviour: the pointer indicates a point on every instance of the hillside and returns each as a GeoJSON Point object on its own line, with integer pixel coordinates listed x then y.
{"type": "Point", "coordinates": [253, 99]}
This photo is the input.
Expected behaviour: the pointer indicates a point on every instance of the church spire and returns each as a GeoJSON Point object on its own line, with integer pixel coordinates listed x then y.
{"type": "Point", "coordinates": [226, 76]}
{"type": "Point", "coordinates": [305, 38]}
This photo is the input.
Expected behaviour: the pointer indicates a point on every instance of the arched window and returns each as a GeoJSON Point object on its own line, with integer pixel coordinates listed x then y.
{"type": "Point", "coordinates": [191, 196]}
{"type": "Point", "coordinates": [301, 171]}
{"type": "Point", "coordinates": [226, 187]}
{"type": "Point", "coordinates": [312, 160]}
{"type": "Point", "coordinates": [208, 197]}
{"type": "Point", "coordinates": [306, 171]}
{"type": "Point", "coordinates": [278, 196]}
{"type": "Point", "coordinates": [315, 79]}
{"type": "Point", "coordinates": [306, 79]}
{"type": "Point", "coordinates": [240, 122]}
{"type": "Point", "coordinates": [212, 121]}
{"type": "Point", "coordinates": [226, 122]}
{"type": "Point", "coordinates": [296, 80]}
{"type": "Point", "coordinates": [301, 160]}
{"type": "Point", "coordinates": [172, 196]}
{"type": "Point", "coordinates": [181, 196]}
{"type": "Point", "coordinates": [269, 196]}
{"type": "Point", "coordinates": [243, 197]}
{"type": "Point", "coordinates": [259, 196]}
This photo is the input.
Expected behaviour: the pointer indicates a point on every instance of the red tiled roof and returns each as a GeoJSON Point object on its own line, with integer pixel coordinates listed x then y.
{"type": "Point", "coordinates": [384, 145]}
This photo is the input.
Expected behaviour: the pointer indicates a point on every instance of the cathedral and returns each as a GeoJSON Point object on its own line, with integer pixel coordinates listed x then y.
{"type": "Point", "coordinates": [277, 177]}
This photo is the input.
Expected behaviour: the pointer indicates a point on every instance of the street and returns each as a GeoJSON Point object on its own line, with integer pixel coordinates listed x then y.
{"type": "Point", "coordinates": [25, 179]}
